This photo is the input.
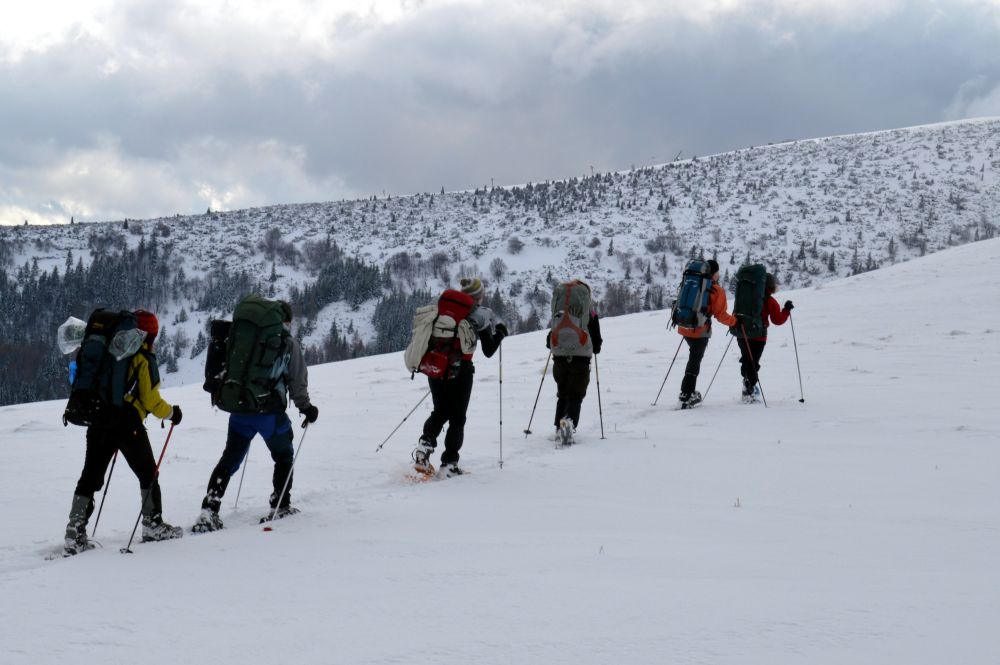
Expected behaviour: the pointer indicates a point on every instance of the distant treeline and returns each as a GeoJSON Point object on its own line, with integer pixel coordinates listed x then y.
{"type": "Point", "coordinates": [33, 303]}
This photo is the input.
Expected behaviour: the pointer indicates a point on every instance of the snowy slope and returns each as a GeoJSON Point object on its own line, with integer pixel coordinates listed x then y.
{"type": "Point", "coordinates": [857, 527]}
{"type": "Point", "coordinates": [877, 197]}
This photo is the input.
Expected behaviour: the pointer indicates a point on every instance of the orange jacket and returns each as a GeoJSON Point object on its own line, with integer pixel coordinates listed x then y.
{"type": "Point", "coordinates": [717, 308]}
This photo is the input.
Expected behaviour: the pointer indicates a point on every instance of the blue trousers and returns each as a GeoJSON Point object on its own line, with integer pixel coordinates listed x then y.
{"type": "Point", "coordinates": [276, 430]}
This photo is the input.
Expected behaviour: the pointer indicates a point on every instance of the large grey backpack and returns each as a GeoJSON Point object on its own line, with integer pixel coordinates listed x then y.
{"type": "Point", "coordinates": [570, 316]}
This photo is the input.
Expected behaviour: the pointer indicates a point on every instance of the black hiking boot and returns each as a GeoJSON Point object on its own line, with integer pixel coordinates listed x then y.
{"type": "Point", "coordinates": [690, 400]}
{"type": "Point", "coordinates": [566, 431]}
{"type": "Point", "coordinates": [76, 529]}
{"type": "Point", "coordinates": [208, 521]}
{"type": "Point", "coordinates": [449, 471]}
{"type": "Point", "coordinates": [153, 526]}
{"type": "Point", "coordinates": [154, 529]}
{"type": "Point", "coordinates": [422, 456]}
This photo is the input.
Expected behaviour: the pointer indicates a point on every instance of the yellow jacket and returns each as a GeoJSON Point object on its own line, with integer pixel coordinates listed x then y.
{"type": "Point", "coordinates": [144, 395]}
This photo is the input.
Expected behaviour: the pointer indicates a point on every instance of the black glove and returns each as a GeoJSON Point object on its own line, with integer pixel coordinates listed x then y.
{"type": "Point", "coordinates": [176, 415]}
{"type": "Point", "coordinates": [500, 330]}
{"type": "Point", "coordinates": [597, 349]}
{"type": "Point", "coordinates": [789, 306]}
{"type": "Point", "coordinates": [311, 413]}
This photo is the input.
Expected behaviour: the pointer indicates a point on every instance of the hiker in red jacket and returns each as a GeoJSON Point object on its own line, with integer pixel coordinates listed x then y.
{"type": "Point", "coordinates": [751, 349]}
{"type": "Point", "coordinates": [697, 338]}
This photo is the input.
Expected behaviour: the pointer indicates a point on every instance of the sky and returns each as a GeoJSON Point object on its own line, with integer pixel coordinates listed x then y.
{"type": "Point", "coordinates": [119, 109]}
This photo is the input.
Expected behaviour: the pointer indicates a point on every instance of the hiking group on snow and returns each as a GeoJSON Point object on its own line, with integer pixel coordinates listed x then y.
{"type": "Point", "coordinates": [254, 364]}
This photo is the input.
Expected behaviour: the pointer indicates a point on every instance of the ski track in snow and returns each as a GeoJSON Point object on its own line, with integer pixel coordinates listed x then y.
{"type": "Point", "coordinates": [857, 527]}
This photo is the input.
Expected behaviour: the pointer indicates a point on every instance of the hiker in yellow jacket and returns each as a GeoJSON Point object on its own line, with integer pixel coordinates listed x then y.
{"type": "Point", "coordinates": [127, 433]}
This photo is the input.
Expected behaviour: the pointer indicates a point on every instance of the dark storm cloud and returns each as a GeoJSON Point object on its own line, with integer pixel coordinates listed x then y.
{"type": "Point", "coordinates": [457, 95]}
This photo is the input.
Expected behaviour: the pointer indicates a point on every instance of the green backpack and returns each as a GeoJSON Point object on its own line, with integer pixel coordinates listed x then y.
{"type": "Point", "coordinates": [751, 283]}
{"type": "Point", "coordinates": [257, 355]}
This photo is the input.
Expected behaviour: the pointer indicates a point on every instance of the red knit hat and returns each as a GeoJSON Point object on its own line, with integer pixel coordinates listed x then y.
{"type": "Point", "coordinates": [147, 323]}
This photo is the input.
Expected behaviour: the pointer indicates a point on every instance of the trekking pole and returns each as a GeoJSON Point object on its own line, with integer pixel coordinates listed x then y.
{"type": "Point", "coordinates": [600, 411]}
{"type": "Point", "coordinates": [544, 372]}
{"type": "Point", "coordinates": [501, 406]}
{"type": "Point", "coordinates": [403, 421]}
{"type": "Point", "coordinates": [107, 484]}
{"type": "Point", "coordinates": [717, 369]}
{"type": "Point", "coordinates": [753, 363]}
{"type": "Point", "coordinates": [802, 397]}
{"type": "Point", "coordinates": [288, 478]}
{"type": "Point", "coordinates": [668, 373]}
{"type": "Point", "coordinates": [246, 460]}
{"type": "Point", "coordinates": [156, 474]}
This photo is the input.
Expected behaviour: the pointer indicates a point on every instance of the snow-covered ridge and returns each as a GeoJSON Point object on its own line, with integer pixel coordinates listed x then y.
{"type": "Point", "coordinates": [812, 210]}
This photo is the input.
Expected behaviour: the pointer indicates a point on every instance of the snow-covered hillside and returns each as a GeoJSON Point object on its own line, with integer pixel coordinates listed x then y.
{"type": "Point", "coordinates": [857, 527]}
{"type": "Point", "coordinates": [812, 210]}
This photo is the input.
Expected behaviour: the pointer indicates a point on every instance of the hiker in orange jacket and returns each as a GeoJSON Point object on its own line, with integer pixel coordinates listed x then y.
{"type": "Point", "coordinates": [751, 349]}
{"type": "Point", "coordinates": [697, 338]}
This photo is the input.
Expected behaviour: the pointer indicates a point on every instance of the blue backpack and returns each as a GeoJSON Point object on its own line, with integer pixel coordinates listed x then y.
{"type": "Point", "coordinates": [690, 309]}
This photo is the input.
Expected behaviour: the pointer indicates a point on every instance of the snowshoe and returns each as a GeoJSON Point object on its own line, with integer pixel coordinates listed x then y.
{"type": "Point", "coordinates": [278, 514]}
{"type": "Point", "coordinates": [566, 431]}
{"type": "Point", "coordinates": [750, 394]}
{"type": "Point", "coordinates": [422, 458]}
{"type": "Point", "coordinates": [449, 471]}
{"type": "Point", "coordinates": [74, 546]}
{"type": "Point", "coordinates": [154, 529]}
{"type": "Point", "coordinates": [690, 400]}
{"type": "Point", "coordinates": [208, 521]}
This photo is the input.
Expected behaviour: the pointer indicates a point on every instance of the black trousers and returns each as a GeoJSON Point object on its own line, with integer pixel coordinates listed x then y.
{"type": "Point", "coordinates": [572, 377]}
{"type": "Point", "coordinates": [750, 352]}
{"type": "Point", "coordinates": [451, 402]}
{"type": "Point", "coordinates": [128, 435]}
{"type": "Point", "coordinates": [696, 351]}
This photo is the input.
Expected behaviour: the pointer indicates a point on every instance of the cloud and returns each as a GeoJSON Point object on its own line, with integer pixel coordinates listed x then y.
{"type": "Point", "coordinates": [977, 97]}
{"type": "Point", "coordinates": [203, 174]}
{"type": "Point", "coordinates": [135, 109]}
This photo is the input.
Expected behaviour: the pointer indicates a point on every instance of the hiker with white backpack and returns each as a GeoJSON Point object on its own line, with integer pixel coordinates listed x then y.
{"type": "Point", "coordinates": [445, 336]}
